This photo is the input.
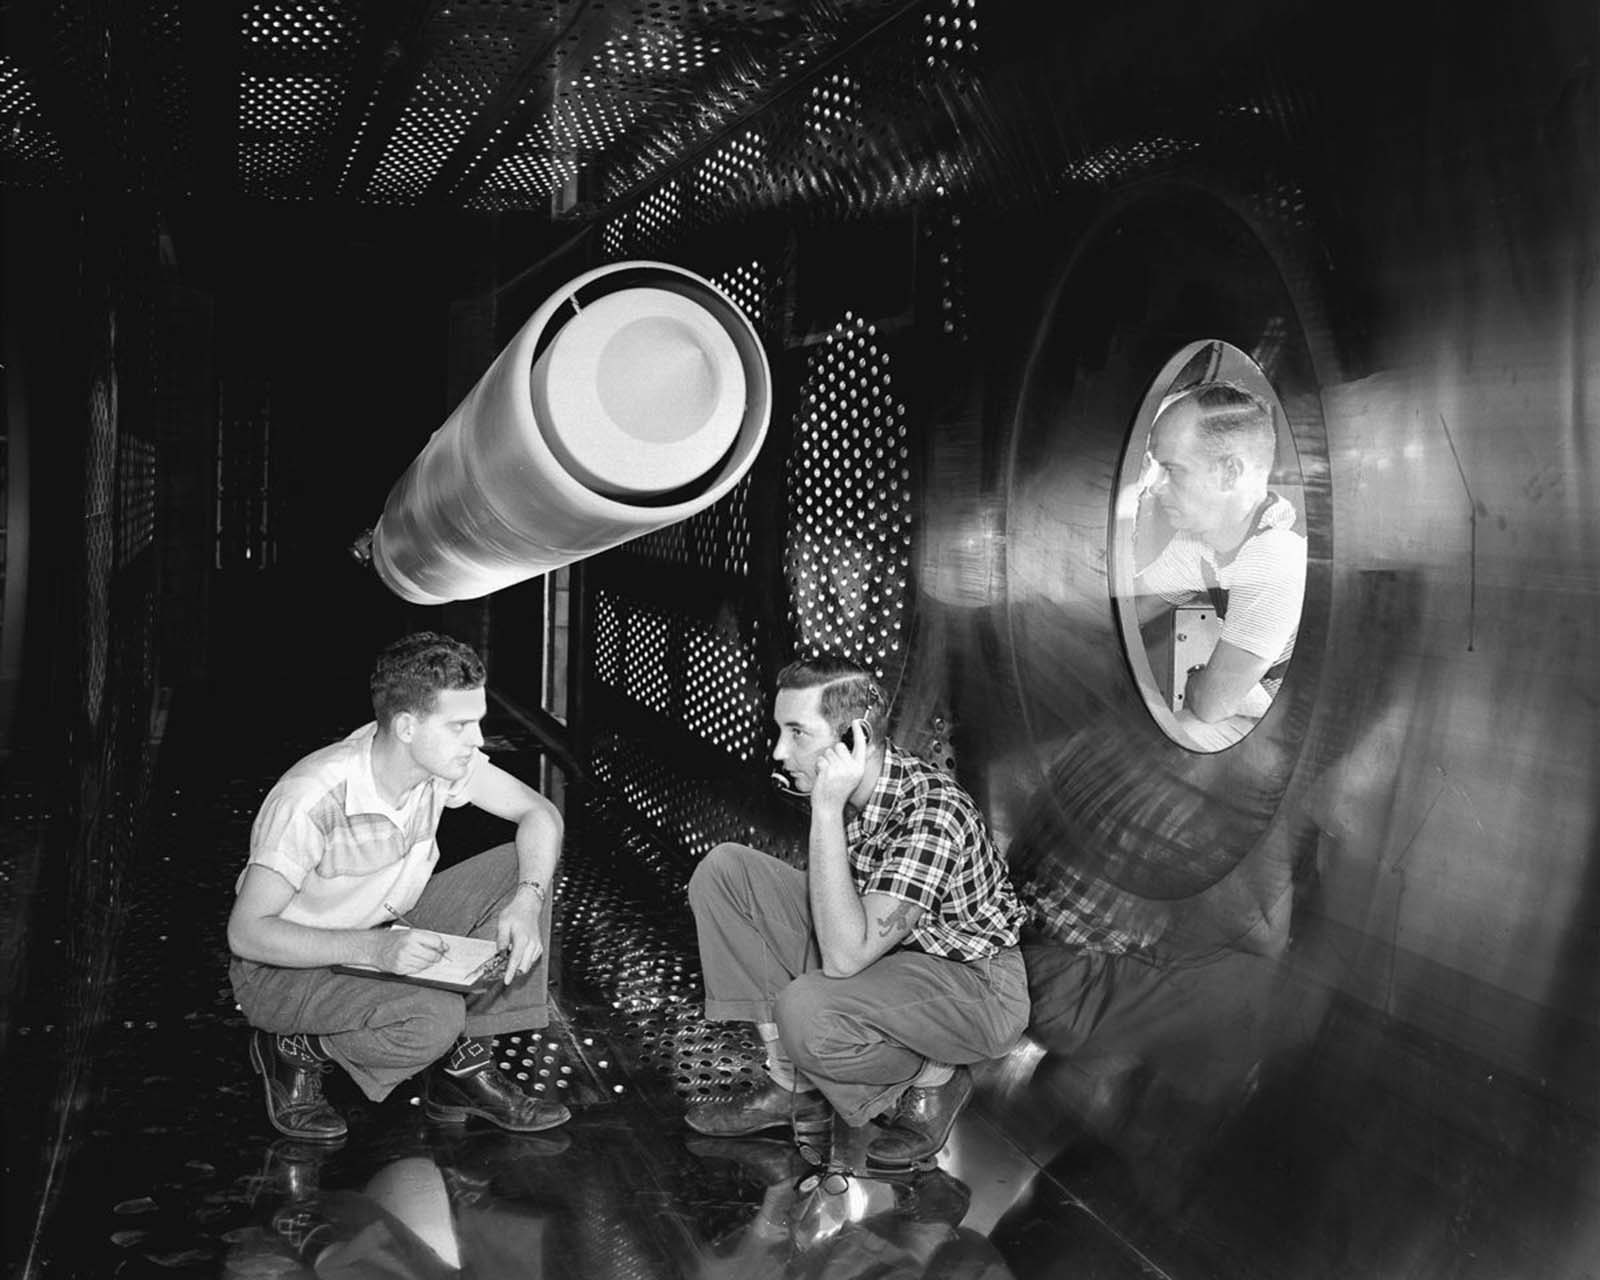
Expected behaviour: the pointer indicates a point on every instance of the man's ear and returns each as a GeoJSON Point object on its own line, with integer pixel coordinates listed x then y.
{"type": "Point", "coordinates": [403, 726]}
{"type": "Point", "coordinates": [1230, 469]}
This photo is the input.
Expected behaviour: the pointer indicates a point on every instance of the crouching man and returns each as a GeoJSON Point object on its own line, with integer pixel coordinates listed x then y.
{"type": "Point", "coordinates": [879, 973]}
{"type": "Point", "coordinates": [344, 843]}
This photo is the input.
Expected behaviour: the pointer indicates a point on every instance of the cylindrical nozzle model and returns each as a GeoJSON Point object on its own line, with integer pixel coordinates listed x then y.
{"type": "Point", "coordinates": [644, 405]}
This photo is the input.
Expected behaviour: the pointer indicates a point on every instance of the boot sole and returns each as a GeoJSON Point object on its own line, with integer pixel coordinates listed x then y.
{"type": "Point", "coordinates": [442, 1114]}
{"type": "Point", "coordinates": [301, 1135]}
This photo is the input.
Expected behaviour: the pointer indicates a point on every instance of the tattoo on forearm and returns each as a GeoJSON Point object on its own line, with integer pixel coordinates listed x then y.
{"type": "Point", "coordinates": [896, 922]}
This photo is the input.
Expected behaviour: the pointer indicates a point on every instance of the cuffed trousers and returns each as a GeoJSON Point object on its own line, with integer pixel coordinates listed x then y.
{"type": "Point", "coordinates": [382, 1031]}
{"type": "Point", "coordinates": [863, 1039]}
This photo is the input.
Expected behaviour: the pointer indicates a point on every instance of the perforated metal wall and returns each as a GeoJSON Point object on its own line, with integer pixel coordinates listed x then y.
{"type": "Point", "coordinates": [243, 522]}
{"type": "Point", "coordinates": [699, 675]}
{"type": "Point", "coordinates": [813, 551]}
{"type": "Point", "coordinates": [728, 175]}
{"type": "Point", "coordinates": [475, 53]}
{"type": "Point", "coordinates": [163, 68]}
{"type": "Point", "coordinates": [659, 217]}
{"type": "Point", "coordinates": [495, 105]}
{"type": "Point", "coordinates": [136, 483]}
{"type": "Point", "coordinates": [99, 517]}
{"type": "Point", "coordinates": [87, 745]}
{"type": "Point", "coordinates": [693, 812]}
{"type": "Point", "coordinates": [294, 81]}
{"type": "Point", "coordinates": [943, 233]}
{"type": "Point", "coordinates": [30, 149]}
{"type": "Point", "coordinates": [642, 960]}
{"type": "Point", "coordinates": [748, 285]}
{"type": "Point", "coordinates": [825, 561]}
{"type": "Point", "coordinates": [850, 513]}
{"type": "Point", "coordinates": [717, 538]}
{"type": "Point", "coordinates": [950, 34]}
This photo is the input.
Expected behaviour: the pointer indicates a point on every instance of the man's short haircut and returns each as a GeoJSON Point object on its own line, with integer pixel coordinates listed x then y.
{"type": "Point", "coordinates": [849, 691]}
{"type": "Point", "coordinates": [410, 674]}
{"type": "Point", "coordinates": [1233, 419]}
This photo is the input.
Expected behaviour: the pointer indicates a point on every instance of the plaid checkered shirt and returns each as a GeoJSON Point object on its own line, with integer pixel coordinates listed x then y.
{"type": "Point", "coordinates": [921, 838]}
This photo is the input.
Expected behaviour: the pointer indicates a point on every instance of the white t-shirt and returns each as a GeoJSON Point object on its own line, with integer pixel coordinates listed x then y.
{"type": "Point", "coordinates": [1265, 580]}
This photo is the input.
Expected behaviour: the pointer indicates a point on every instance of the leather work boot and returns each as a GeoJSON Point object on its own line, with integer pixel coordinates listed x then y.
{"type": "Point", "coordinates": [805, 1113]}
{"type": "Point", "coordinates": [920, 1125]}
{"type": "Point", "coordinates": [454, 1096]}
{"type": "Point", "coordinates": [291, 1073]}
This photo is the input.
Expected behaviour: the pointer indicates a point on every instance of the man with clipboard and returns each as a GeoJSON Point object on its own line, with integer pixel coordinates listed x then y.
{"type": "Point", "coordinates": [345, 843]}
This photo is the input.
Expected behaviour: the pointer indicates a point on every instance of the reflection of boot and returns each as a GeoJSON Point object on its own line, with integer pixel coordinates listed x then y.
{"type": "Point", "coordinates": [290, 1187]}
{"type": "Point", "coordinates": [766, 1161]}
{"type": "Point", "coordinates": [832, 1202]}
{"type": "Point", "coordinates": [820, 1145]}
{"type": "Point", "coordinates": [290, 1171]}
{"type": "Point", "coordinates": [492, 1153]}
{"type": "Point", "coordinates": [934, 1196]}
{"type": "Point", "coordinates": [474, 1162]}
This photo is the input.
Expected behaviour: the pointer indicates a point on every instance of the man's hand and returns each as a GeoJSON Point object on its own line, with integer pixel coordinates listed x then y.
{"type": "Point", "coordinates": [516, 931]}
{"type": "Point", "coordinates": [838, 773]}
{"type": "Point", "coordinates": [409, 950]}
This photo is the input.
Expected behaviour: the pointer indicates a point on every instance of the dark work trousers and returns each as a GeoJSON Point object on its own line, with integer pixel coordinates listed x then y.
{"type": "Point", "coordinates": [863, 1039]}
{"type": "Point", "coordinates": [382, 1031]}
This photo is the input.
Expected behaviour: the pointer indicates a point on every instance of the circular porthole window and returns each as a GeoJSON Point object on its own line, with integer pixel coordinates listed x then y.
{"type": "Point", "coordinates": [1208, 546]}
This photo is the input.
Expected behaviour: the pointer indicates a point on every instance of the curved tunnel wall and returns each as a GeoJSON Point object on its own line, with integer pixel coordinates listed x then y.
{"type": "Point", "coordinates": [1409, 263]}
{"type": "Point", "coordinates": [1410, 255]}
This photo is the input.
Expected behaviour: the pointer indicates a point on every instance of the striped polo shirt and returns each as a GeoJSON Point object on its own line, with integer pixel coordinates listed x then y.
{"type": "Point", "coordinates": [1265, 579]}
{"type": "Point", "coordinates": [352, 860]}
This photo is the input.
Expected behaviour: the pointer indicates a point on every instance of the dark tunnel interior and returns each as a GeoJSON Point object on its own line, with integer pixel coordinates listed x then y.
{"type": "Point", "coordinates": [257, 254]}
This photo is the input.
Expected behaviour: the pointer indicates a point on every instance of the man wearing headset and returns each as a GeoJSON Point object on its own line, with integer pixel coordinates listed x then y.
{"type": "Point", "coordinates": [876, 975]}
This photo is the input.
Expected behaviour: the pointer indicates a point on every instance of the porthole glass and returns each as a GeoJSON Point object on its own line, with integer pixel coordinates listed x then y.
{"type": "Point", "coordinates": [1208, 546]}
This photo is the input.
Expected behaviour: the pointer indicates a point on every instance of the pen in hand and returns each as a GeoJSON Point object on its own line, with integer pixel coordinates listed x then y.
{"type": "Point", "coordinates": [400, 917]}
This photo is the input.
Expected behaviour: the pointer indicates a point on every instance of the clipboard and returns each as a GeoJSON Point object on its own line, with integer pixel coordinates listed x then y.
{"type": "Point", "coordinates": [470, 964]}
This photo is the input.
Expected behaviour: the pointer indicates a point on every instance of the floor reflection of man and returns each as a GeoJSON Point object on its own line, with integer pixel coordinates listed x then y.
{"type": "Point", "coordinates": [846, 1227]}
{"type": "Point", "coordinates": [1234, 541]}
{"type": "Point", "coordinates": [488, 1205]}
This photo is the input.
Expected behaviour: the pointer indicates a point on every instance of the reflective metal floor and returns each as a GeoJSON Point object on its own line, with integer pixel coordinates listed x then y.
{"type": "Point", "coordinates": [1349, 1154]}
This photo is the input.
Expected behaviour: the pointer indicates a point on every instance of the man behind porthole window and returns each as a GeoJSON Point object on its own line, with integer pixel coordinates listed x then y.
{"type": "Point", "coordinates": [1234, 541]}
